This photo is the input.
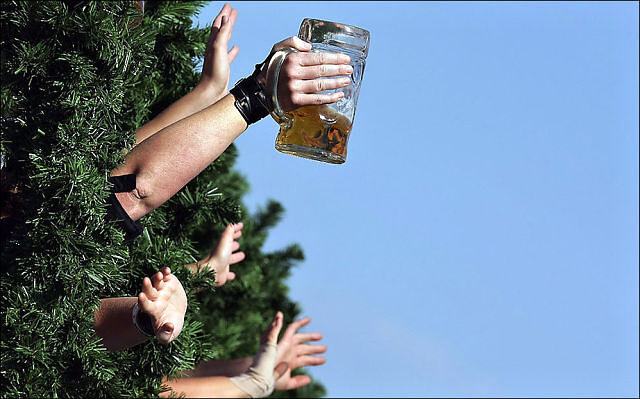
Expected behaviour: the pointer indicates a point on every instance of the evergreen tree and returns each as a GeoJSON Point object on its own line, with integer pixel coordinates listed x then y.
{"type": "Point", "coordinates": [78, 78]}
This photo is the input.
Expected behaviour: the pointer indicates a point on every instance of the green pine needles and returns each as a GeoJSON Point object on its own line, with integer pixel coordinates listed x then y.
{"type": "Point", "coordinates": [78, 78]}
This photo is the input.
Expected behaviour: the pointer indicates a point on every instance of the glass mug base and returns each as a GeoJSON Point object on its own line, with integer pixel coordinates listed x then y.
{"type": "Point", "coordinates": [315, 154]}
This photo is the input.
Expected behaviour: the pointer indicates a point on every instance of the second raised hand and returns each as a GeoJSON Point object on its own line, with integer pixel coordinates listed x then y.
{"type": "Point", "coordinates": [216, 69]}
{"type": "Point", "coordinates": [223, 255]}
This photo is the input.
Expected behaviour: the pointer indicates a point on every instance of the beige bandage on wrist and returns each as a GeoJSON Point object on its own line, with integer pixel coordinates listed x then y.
{"type": "Point", "coordinates": [259, 380]}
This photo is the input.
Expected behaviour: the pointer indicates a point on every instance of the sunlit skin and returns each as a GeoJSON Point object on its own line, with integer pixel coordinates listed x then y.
{"type": "Point", "coordinates": [220, 386]}
{"type": "Point", "coordinates": [223, 255]}
{"type": "Point", "coordinates": [181, 141]}
{"type": "Point", "coordinates": [162, 298]}
{"type": "Point", "coordinates": [184, 139]}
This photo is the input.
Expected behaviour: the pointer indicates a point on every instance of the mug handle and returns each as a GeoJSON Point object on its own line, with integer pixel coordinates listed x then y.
{"type": "Point", "coordinates": [278, 59]}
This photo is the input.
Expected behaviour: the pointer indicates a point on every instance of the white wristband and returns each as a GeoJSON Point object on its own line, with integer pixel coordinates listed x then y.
{"type": "Point", "coordinates": [259, 381]}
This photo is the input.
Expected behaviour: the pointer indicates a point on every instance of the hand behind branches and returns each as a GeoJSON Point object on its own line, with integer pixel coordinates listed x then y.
{"type": "Point", "coordinates": [165, 301]}
{"type": "Point", "coordinates": [223, 255]}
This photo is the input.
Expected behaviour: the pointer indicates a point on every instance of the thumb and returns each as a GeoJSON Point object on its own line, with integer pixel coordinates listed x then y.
{"type": "Point", "coordinates": [280, 369]}
{"type": "Point", "coordinates": [293, 42]}
{"type": "Point", "coordinates": [165, 333]}
{"type": "Point", "coordinates": [274, 329]}
{"type": "Point", "coordinates": [225, 240]}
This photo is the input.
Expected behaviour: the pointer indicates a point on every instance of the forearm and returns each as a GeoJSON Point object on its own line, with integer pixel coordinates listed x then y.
{"type": "Point", "coordinates": [114, 325]}
{"type": "Point", "coordinates": [194, 101]}
{"type": "Point", "coordinates": [228, 368]}
{"type": "Point", "coordinates": [203, 387]}
{"type": "Point", "coordinates": [168, 160]}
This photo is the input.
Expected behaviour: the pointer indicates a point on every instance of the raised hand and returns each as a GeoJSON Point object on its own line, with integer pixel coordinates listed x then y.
{"type": "Point", "coordinates": [223, 255]}
{"type": "Point", "coordinates": [165, 301]}
{"type": "Point", "coordinates": [294, 350]}
{"type": "Point", "coordinates": [218, 59]}
{"type": "Point", "coordinates": [305, 74]}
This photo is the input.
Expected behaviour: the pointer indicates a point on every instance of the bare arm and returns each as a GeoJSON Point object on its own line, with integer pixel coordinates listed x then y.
{"type": "Point", "coordinates": [227, 368]}
{"type": "Point", "coordinates": [257, 382]}
{"type": "Point", "coordinates": [213, 80]}
{"type": "Point", "coordinates": [168, 160]}
{"type": "Point", "coordinates": [295, 349]}
{"type": "Point", "coordinates": [114, 325]}
{"type": "Point", "coordinates": [194, 101]}
{"type": "Point", "coordinates": [203, 387]}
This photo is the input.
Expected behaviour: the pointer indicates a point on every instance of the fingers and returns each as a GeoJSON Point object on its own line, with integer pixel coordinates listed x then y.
{"type": "Point", "coordinates": [296, 71]}
{"type": "Point", "coordinates": [322, 58]}
{"type": "Point", "coordinates": [158, 281]}
{"type": "Point", "coordinates": [280, 369]}
{"type": "Point", "coordinates": [295, 326]}
{"type": "Point", "coordinates": [223, 12]}
{"type": "Point", "coordinates": [235, 246]}
{"type": "Point", "coordinates": [316, 99]}
{"type": "Point", "coordinates": [237, 228]}
{"type": "Point", "coordinates": [145, 304]}
{"type": "Point", "coordinates": [227, 236]}
{"type": "Point", "coordinates": [274, 329]}
{"type": "Point", "coordinates": [298, 381]}
{"type": "Point", "coordinates": [233, 53]}
{"type": "Point", "coordinates": [306, 337]}
{"type": "Point", "coordinates": [294, 42]}
{"type": "Point", "coordinates": [231, 276]}
{"type": "Point", "coordinates": [311, 361]}
{"type": "Point", "coordinates": [226, 27]}
{"type": "Point", "coordinates": [311, 349]}
{"type": "Point", "coordinates": [236, 258]}
{"type": "Point", "coordinates": [318, 85]}
{"type": "Point", "coordinates": [148, 289]}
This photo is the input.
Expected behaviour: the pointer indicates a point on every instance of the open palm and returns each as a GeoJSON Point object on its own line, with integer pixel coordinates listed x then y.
{"type": "Point", "coordinates": [164, 300]}
{"type": "Point", "coordinates": [217, 59]}
{"type": "Point", "coordinates": [225, 254]}
{"type": "Point", "coordinates": [294, 350]}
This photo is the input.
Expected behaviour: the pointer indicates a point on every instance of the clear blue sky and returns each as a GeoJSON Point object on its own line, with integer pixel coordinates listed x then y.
{"type": "Point", "coordinates": [482, 238]}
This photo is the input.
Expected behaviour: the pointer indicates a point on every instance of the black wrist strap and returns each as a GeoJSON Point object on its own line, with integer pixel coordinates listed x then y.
{"type": "Point", "coordinates": [142, 321]}
{"type": "Point", "coordinates": [250, 99]}
{"type": "Point", "coordinates": [115, 211]}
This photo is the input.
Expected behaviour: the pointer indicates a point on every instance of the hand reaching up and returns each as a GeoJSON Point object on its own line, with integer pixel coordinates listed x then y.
{"type": "Point", "coordinates": [217, 59]}
{"type": "Point", "coordinates": [224, 254]}
{"type": "Point", "coordinates": [165, 301]}
{"type": "Point", "coordinates": [295, 351]}
{"type": "Point", "coordinates": [259, 380]}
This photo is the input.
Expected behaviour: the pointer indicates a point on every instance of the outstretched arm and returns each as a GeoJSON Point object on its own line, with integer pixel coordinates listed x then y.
{"type": "Point", "coordinates": [168, 160]}
{"type": "Point", "coordinates": [295, 349]}
{"type": "Point", "coordinates": [213, 80]}
{"type": "Point", "coordinates": [256, 382]}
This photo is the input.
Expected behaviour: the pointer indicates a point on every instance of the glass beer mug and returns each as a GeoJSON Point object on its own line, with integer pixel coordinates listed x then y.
{"type": "Point", "coordinates": [321, 132]}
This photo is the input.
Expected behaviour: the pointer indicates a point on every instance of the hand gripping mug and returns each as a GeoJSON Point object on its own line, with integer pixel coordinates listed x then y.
{"type": "Point", "coordinates": [321, 132]}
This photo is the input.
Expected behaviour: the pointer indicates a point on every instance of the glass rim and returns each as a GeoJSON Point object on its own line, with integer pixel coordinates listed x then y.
{"type": "Point", "coordinates": [349, 28]}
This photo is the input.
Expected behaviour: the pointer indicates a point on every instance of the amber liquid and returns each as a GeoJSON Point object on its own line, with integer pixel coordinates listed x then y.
{"type": "Point", "coordinates": [323, 131]}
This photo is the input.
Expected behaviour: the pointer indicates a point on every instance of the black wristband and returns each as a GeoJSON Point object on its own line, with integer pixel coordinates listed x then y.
{"type": "Point", "coordinates": [115, 211]}
{"type": "Point", "coordinates": [250, 99]}
{"type": "Point", "coordinates": [142, 321]}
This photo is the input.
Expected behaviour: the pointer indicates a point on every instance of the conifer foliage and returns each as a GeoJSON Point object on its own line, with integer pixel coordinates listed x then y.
{"type": "Point", "coordinates": [78, 78]}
